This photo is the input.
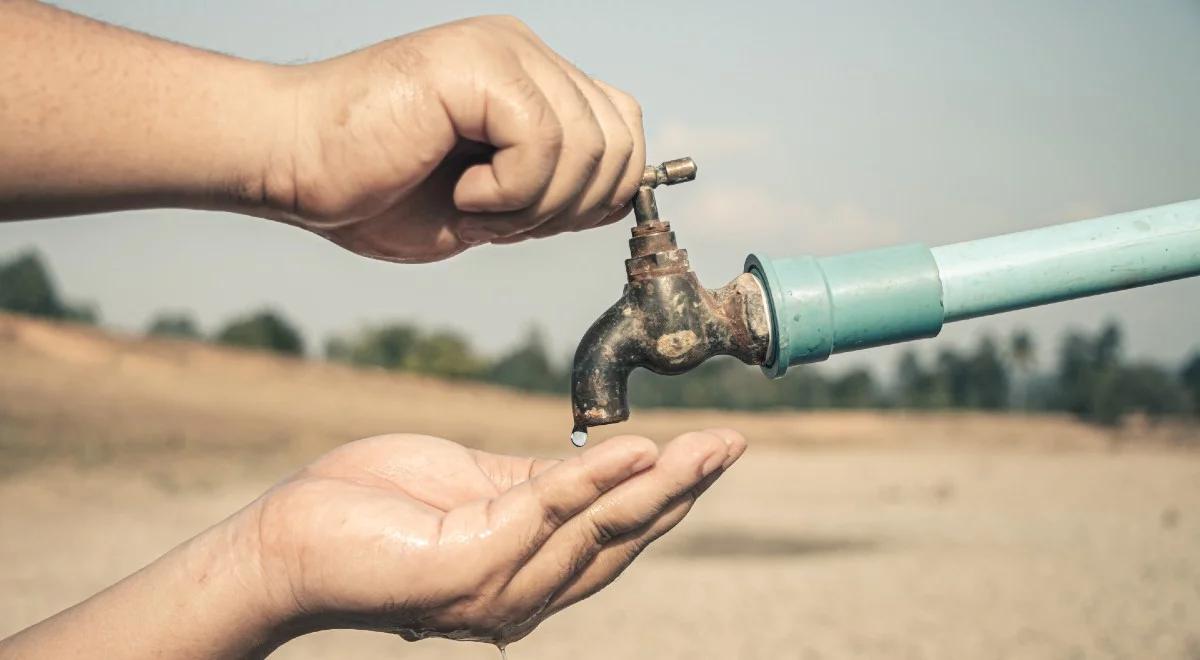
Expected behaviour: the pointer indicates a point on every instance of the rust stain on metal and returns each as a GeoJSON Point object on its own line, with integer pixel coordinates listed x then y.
{"type": "Point", "coordinates": [674, 344]}
{"type": "Point", "coordinates": [665, 320]}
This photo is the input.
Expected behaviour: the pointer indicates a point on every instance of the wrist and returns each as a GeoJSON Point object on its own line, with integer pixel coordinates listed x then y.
{"type": "Point", "coordinates": [238, 590]}
{"type": "Point", "coordinates": [207, 598]}
{"type": "Point", "coordinates": [255, 139]}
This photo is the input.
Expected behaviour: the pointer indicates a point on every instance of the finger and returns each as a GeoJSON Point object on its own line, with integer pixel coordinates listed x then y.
{"type": "Point", "coordinates": [735, 441]}
{"type": "Point", "coordinates": [536, 507]}
{"type": "Point", "coordinates": [613, 559]}
{"type": "Point", "coordinates": [683, 464]}
{"type": "Point", "coordinates": [581, 152]}
{"type": "Point", "coordinates": [616, 215]}
{"type": "Point", "coordinates": [631, 113]}
{"type": "Point", "coordinates": [515, 116]}
{"type": "Point", "coordinates": [595, 201]}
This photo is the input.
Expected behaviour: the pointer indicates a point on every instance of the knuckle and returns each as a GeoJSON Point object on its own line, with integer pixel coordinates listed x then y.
{"type": "Point", "coordinates": [482, 612]}
{"type": "Point", "coordinates": [552, 513]}
{"type": "Point", "coordinates": [562, 566]}
{"type": "Point", "coordinates": [592, 145]}
{"type": "Point", "coordinates": [624, 146]}
{"type": "Point", "coordinates": [600, 532]}
{"type": "Point", "coordinates": [627, 188]}
{"type": "Point", "coordinates": [701, 444]}
{"type": "Point", "coordinates": [628, 105]}
{"type": "Point", "coordinates": [526, 89]}
{"type": "Point", "coordinates": [635, 444]}
{"type": "Point", "coordinates": [551, 132]}
{"type": "Point", "coordinates": [516, 196]}
{"type": "Point", "coordinates": [511, 22]}
{"type": "Point", "coordinates": [544, 124]}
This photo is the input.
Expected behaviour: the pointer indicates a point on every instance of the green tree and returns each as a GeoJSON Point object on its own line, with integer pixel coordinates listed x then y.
{"type": "Point", "coordinates": [803, 386]}
{"type": "Point", "coordinates": [1094, 384]}
{"type": "Point", "coordinates": [854, 389]}
{"type": "Point", "coordinates": [1076, 369]}
{"type": "Point", "coordinates": [175, 324]}
{"type": "Point", "coordinates": [405, 347]}
{"type": "Point", "coordinates": [1024, 357]}
{"type": "Point", "coordinates": [390, 346]}
{"type": "Point", "coordinates": [1144, 388]}
{"type": "Point", "coordinates": [726, 383]}
{"type": "Point", "coordinates": [265, 329]}
{"type": "Point", "coordinates": [953, 380]}
{"type": "Point", "coordinates": [27, 288]}
{"type": "Point", "coordinates": [445, 353]}
{"type": "Point", "coordinates": [528, 367]}
{"type": "Point", "coordinates": [338, 349]}
{"type": "Point", "coordinates": [988, 377]}
{"type": "Point", "coordinates": [1107, 347]}
{"type": "Point", "coordinates": [1190, 376]}
{"type": "Point", "coordinates": [917, 387]}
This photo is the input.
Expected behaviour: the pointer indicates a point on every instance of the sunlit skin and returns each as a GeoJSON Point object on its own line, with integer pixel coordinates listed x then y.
{"type": "Point", "coordinates": [423, 537]}
{"type": "Point", "coordinates": [408, 534]}
{"type": "Point", "coordinates": [568, 150]}
{"type": "Point", "coordinates": [411, 150]}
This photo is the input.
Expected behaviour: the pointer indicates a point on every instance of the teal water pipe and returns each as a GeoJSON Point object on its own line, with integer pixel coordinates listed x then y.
{"type": "Point", "coordinates": [781, 312]}
{"type": "Point", "coordinates": [821, 306]}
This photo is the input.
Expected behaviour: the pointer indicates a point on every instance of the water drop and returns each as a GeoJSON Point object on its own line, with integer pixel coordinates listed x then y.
{"type": "Point", "coordinates": [503, 651]}
{"type": "Point", "coordinates": [579, 437]}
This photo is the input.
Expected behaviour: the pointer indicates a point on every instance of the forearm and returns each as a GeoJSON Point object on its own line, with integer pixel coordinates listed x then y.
{"type": "Point", "coordinates": [204, 599]}
{"type": "Point", "coordinates": [97, 118]}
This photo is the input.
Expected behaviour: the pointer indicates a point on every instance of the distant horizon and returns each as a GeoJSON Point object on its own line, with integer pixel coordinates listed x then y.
{"type": "Point", "coordinates": [884, 371]}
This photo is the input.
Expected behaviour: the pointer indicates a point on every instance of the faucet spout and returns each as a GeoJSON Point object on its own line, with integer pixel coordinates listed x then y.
{"type": "Point", "coordinates": [608, 352]}
{"type": "Point", "coordinates": [668, 324]}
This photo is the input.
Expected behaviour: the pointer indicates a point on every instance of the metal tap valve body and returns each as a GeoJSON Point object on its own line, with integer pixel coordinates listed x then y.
{"type": "Point", "coordinates": [665, 320]}
{"type": "Point", "coordinates": [796, 310]}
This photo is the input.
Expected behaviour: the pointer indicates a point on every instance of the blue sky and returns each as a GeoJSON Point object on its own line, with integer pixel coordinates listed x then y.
{"type": "Point", "coordinates": [819, 128]}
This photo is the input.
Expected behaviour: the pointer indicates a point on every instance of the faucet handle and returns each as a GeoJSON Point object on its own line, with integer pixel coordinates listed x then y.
{"type": "Point", "coordinates": [645, 207]}
{"type": "Point", "coordinates": [669, 173]}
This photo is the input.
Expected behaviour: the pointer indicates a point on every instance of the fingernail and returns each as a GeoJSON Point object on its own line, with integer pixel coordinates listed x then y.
{"type": "Point", "coordinates": [730, 457]}
{"type": "Point", "coordinates": [715, 461]}
{"type": "Point", "coordinates": [477, 235]}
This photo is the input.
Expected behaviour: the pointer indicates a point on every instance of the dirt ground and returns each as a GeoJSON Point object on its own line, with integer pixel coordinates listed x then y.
{"type": "Point", "coordinates": [839, 535]}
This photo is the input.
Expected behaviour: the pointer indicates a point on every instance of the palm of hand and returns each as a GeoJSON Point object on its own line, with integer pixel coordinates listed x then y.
{"type": "Point", "coordinates": [423, 537]}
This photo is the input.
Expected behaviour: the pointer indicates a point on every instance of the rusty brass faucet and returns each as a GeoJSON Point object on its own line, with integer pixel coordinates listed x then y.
{"type": "Point", "coordinates": [665, 321]}
{"type": "Point", "coordinates": [802, 309]}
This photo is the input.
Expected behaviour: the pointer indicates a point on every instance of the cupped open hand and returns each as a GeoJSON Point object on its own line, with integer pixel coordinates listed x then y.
{"type": "Point", "coordinates": [423, 537]}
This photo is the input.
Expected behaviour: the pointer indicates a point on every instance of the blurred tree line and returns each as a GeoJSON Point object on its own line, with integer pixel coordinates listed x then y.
{"type": "Point", "coordinates": [1089, 376]}
{"type": "Point", "coordinates": [26, 287]}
